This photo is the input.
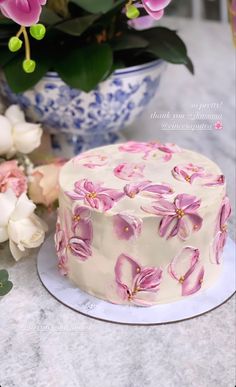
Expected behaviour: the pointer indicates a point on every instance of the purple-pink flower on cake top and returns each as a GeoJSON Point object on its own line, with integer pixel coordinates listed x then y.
{"type": "Point", "coordinates": [23, 12]}
{"type": "Point", "coordinates": [221, 230]}
{"type": "Point", "coordinates": [129, 171]}
{"type": "Point", "coordinates": [148, 188]}
{"type": "Point", "coordinates": [127, 226]}
{"type": "Point", "coordinates": [155, 8]}
{"type": "Point", "coordinates": [91, 160]}
{"type": "Point", "coordinates": [188, 172]}
{"type": "Point", "coordinates": [178, 218]}
{"type": "Point", "coordinates": [95, 195]}
{"type": "Point", "coordinates": [187, 269]}
{"type": "Point", "coordinates": [61, 244]}
{"type": "Point", "coordinates": [135, 283]}
{"type": "Point", "coordinates": [150, 147]}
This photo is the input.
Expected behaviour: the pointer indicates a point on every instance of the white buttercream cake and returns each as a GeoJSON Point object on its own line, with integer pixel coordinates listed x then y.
{"type": "Point", "coordinates": [141, 223]}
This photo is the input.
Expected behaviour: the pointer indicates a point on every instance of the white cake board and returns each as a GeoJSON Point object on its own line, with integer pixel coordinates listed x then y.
{"type": "Point", "coordinates": [68, 294]}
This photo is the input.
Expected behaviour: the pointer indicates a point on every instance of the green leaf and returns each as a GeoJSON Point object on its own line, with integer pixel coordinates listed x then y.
{"type": "Point", "coordinates": [4, 275]}
{"type": "Point", "coordinates": [190, 66]}
{"type": "Point", "coordinates": [129, 41]}
{"type": "Point", "coordinates": [95, 6]}
{"type": "Point", "coordinates": [49, 17]}
{"type": "Point", "coordinates": [5, 285]}
{"type": "Point", "coordinates": [5, 56]}
{"type": "Point", "coordinates": [84, 67]}
{"type": "Point", "coordinates": [20, 81]}
{"type": "Point", "coordinates": [78, 25]}
{"type": "Point", "coordinates": [5, 288]}
{"type": "Point", "coordinates": [166, 44]}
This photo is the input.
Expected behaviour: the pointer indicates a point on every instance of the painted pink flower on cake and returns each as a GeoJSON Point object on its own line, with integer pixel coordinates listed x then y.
{"type": "Point", "coordinates": [154, 190]}
{"type": "Point", "coordinates": [129, 171]}
{"type": "Point", "coordinates": [188, 172]}
{"type": "Point", "coordinates": [215, 181]}
{"type": "Point", "coordinates": [221, 230]}
{"type": "Point", "coordinates": [127, 226]}
{"type": "Point", "coordinates": [135, 283]}
{"type": "Point", "coordinates": [61, 244]}
{"type": "Point", "coordinates": [95, 195]}
{"type": "Point", "coordinates": [81, 222]}
{"type": "Point", "coordinates": [187, 270]}
{"type": "Point", "coordinates": [91, 160]}
{"type": "Point", "coordinates": [178, 218]}
{"type": "Point", "coordinates": [148, 147]}
{"type": "Point", "coordinates": [80, 248]}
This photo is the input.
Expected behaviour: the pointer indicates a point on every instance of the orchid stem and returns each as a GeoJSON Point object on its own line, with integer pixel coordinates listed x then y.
{"type": "Point", "coordinates": [19, 32]}
{"type": "Point", "coordinates": [27, 43]}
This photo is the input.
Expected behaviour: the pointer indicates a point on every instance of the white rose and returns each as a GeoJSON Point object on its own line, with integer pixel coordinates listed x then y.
{"type": "Point", "coordinates": [17, 135]}
{"type": "Point", "coordinates": [19, 224]}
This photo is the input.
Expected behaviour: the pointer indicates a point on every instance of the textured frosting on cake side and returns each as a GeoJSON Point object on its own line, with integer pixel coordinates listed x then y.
{"type": "Point", "coordinates": [141, 223]}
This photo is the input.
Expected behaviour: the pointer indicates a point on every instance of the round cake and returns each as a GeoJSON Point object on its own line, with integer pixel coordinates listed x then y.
{"type": "Point", "coordinates": [141, 223]}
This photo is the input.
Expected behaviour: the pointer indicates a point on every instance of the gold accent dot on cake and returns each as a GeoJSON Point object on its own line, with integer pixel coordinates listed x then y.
{"type": "Point", "coordinates": [126, 229]}
{"type": "Point", "coordinates": [180, 213]}
{"type": "Point", "coordinates": [76, 218]}
{"type": "Point", "coordinates": [92, 195]}
{"type": "Point", "coordinates": [187, 178]}
{"type": "Point", "coordinates": [138, 270]}
{"type": "Point", "coordinates": [181, 280]}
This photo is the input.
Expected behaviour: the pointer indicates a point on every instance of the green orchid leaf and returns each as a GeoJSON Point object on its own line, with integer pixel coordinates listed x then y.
{"type": "Point", "coordinates": [96, 6]}
{"type": "Point", "coordinates": [166, 44]}
{"type": "Point", "coordinates": [48, 17]}
{"type": "Point", "coordinates": [78, 25]}
{"type": "Point", "coordinates": [5, 56]}
{"type": "Point", "coordinates": [129, 41]}
{"type": "Point", "coordinates": [84, 67]}
{"type": "Point", "coordinates": [18, 80]}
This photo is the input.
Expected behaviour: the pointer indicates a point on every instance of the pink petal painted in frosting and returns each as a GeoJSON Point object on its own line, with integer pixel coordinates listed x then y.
{"type": "Point", "coordinates": [129, 171]}
{"type": "Point", "coordinates": [80, 248]}
{"type": "Point", "coordinates": [127, 226]}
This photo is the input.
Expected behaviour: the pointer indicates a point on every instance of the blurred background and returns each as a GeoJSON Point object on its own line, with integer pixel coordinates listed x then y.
{"type": "Point", "coordinates": [199, 9]}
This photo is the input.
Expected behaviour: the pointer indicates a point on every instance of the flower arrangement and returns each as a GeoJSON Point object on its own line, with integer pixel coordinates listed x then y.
{"type": "Point", "coordinates": [86, 40]}
{"type": "Point", "coordinates": [22, 186]}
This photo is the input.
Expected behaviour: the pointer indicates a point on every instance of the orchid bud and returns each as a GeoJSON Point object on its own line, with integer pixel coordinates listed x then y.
{"type": "Point", "coordinates": [38, 31]}
{"type": "Point", "coordinates": [132, 12]}
{"type": "Point", "coordinates": [29, 66]}
{"type": "Point", "coordinates": [15, 44]}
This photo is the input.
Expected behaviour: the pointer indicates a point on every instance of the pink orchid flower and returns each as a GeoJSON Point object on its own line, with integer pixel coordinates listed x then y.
{"type": "Point", "coordinates": [95, 195]}
{"type": "Point", "coordinates": [187, 270]}
{"type": "Point", "coordinates": [142, 23]}
{"type": "Point", "coordinates": [80, 248]}
{"type": "Point", "coordinates": [136, 284]}
{"type": "Point", "coordinates": [91, 161]}
{"type": "Point", "coordinates": [181, 216]}
{"type": "Point", "coordinates": [217, 180]}
{"type": "Point", "coordinates": [60, 243]}
{"type": "Point", "coordinates": [188, 172]}
{"type": "Point", "coordinates": [149, 147]}
{"type": "Point", "coordinates": [81, 222]}
{"type": "Point", "coordinates": [221, 230]}
{"type": "Point", "coordinates": [129, 171]}
{"type": "Point", "coordinates": [155, 190]}
{"type": "Point", "coordinates": [23, 12]}
{"type": "Point", "coordinates": [127, 226]}
{"type": "Point", "coordinates": [155, 8]}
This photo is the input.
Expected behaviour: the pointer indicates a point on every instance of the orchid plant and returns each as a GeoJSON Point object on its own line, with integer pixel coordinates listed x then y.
{"type": "Point", "coordinates": [22, 187]}
{"type": "Point", "coordinates": [86, 40]}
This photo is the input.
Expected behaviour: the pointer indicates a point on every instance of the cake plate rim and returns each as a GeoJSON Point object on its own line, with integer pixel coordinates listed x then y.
{"type": "Point", "coordinates": [61, 288]}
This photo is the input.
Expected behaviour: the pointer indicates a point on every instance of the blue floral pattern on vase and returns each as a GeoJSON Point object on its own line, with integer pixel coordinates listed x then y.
{"type": "Point", "coordinates": [89, 119]}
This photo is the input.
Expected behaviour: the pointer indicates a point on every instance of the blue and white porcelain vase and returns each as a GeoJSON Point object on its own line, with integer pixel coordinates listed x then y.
{"type": "Point", "coordinates": [78, 121]}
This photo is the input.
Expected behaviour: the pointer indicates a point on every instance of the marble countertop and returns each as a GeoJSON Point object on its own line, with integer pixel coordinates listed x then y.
{"type": "Point", "coordinates": [45, 344]}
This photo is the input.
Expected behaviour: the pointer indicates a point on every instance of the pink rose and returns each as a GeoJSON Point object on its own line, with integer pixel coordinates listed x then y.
{"type": "Point", "coordinates": [44, 187]}
{"type": "Point", "coordinates": [12, 177]}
